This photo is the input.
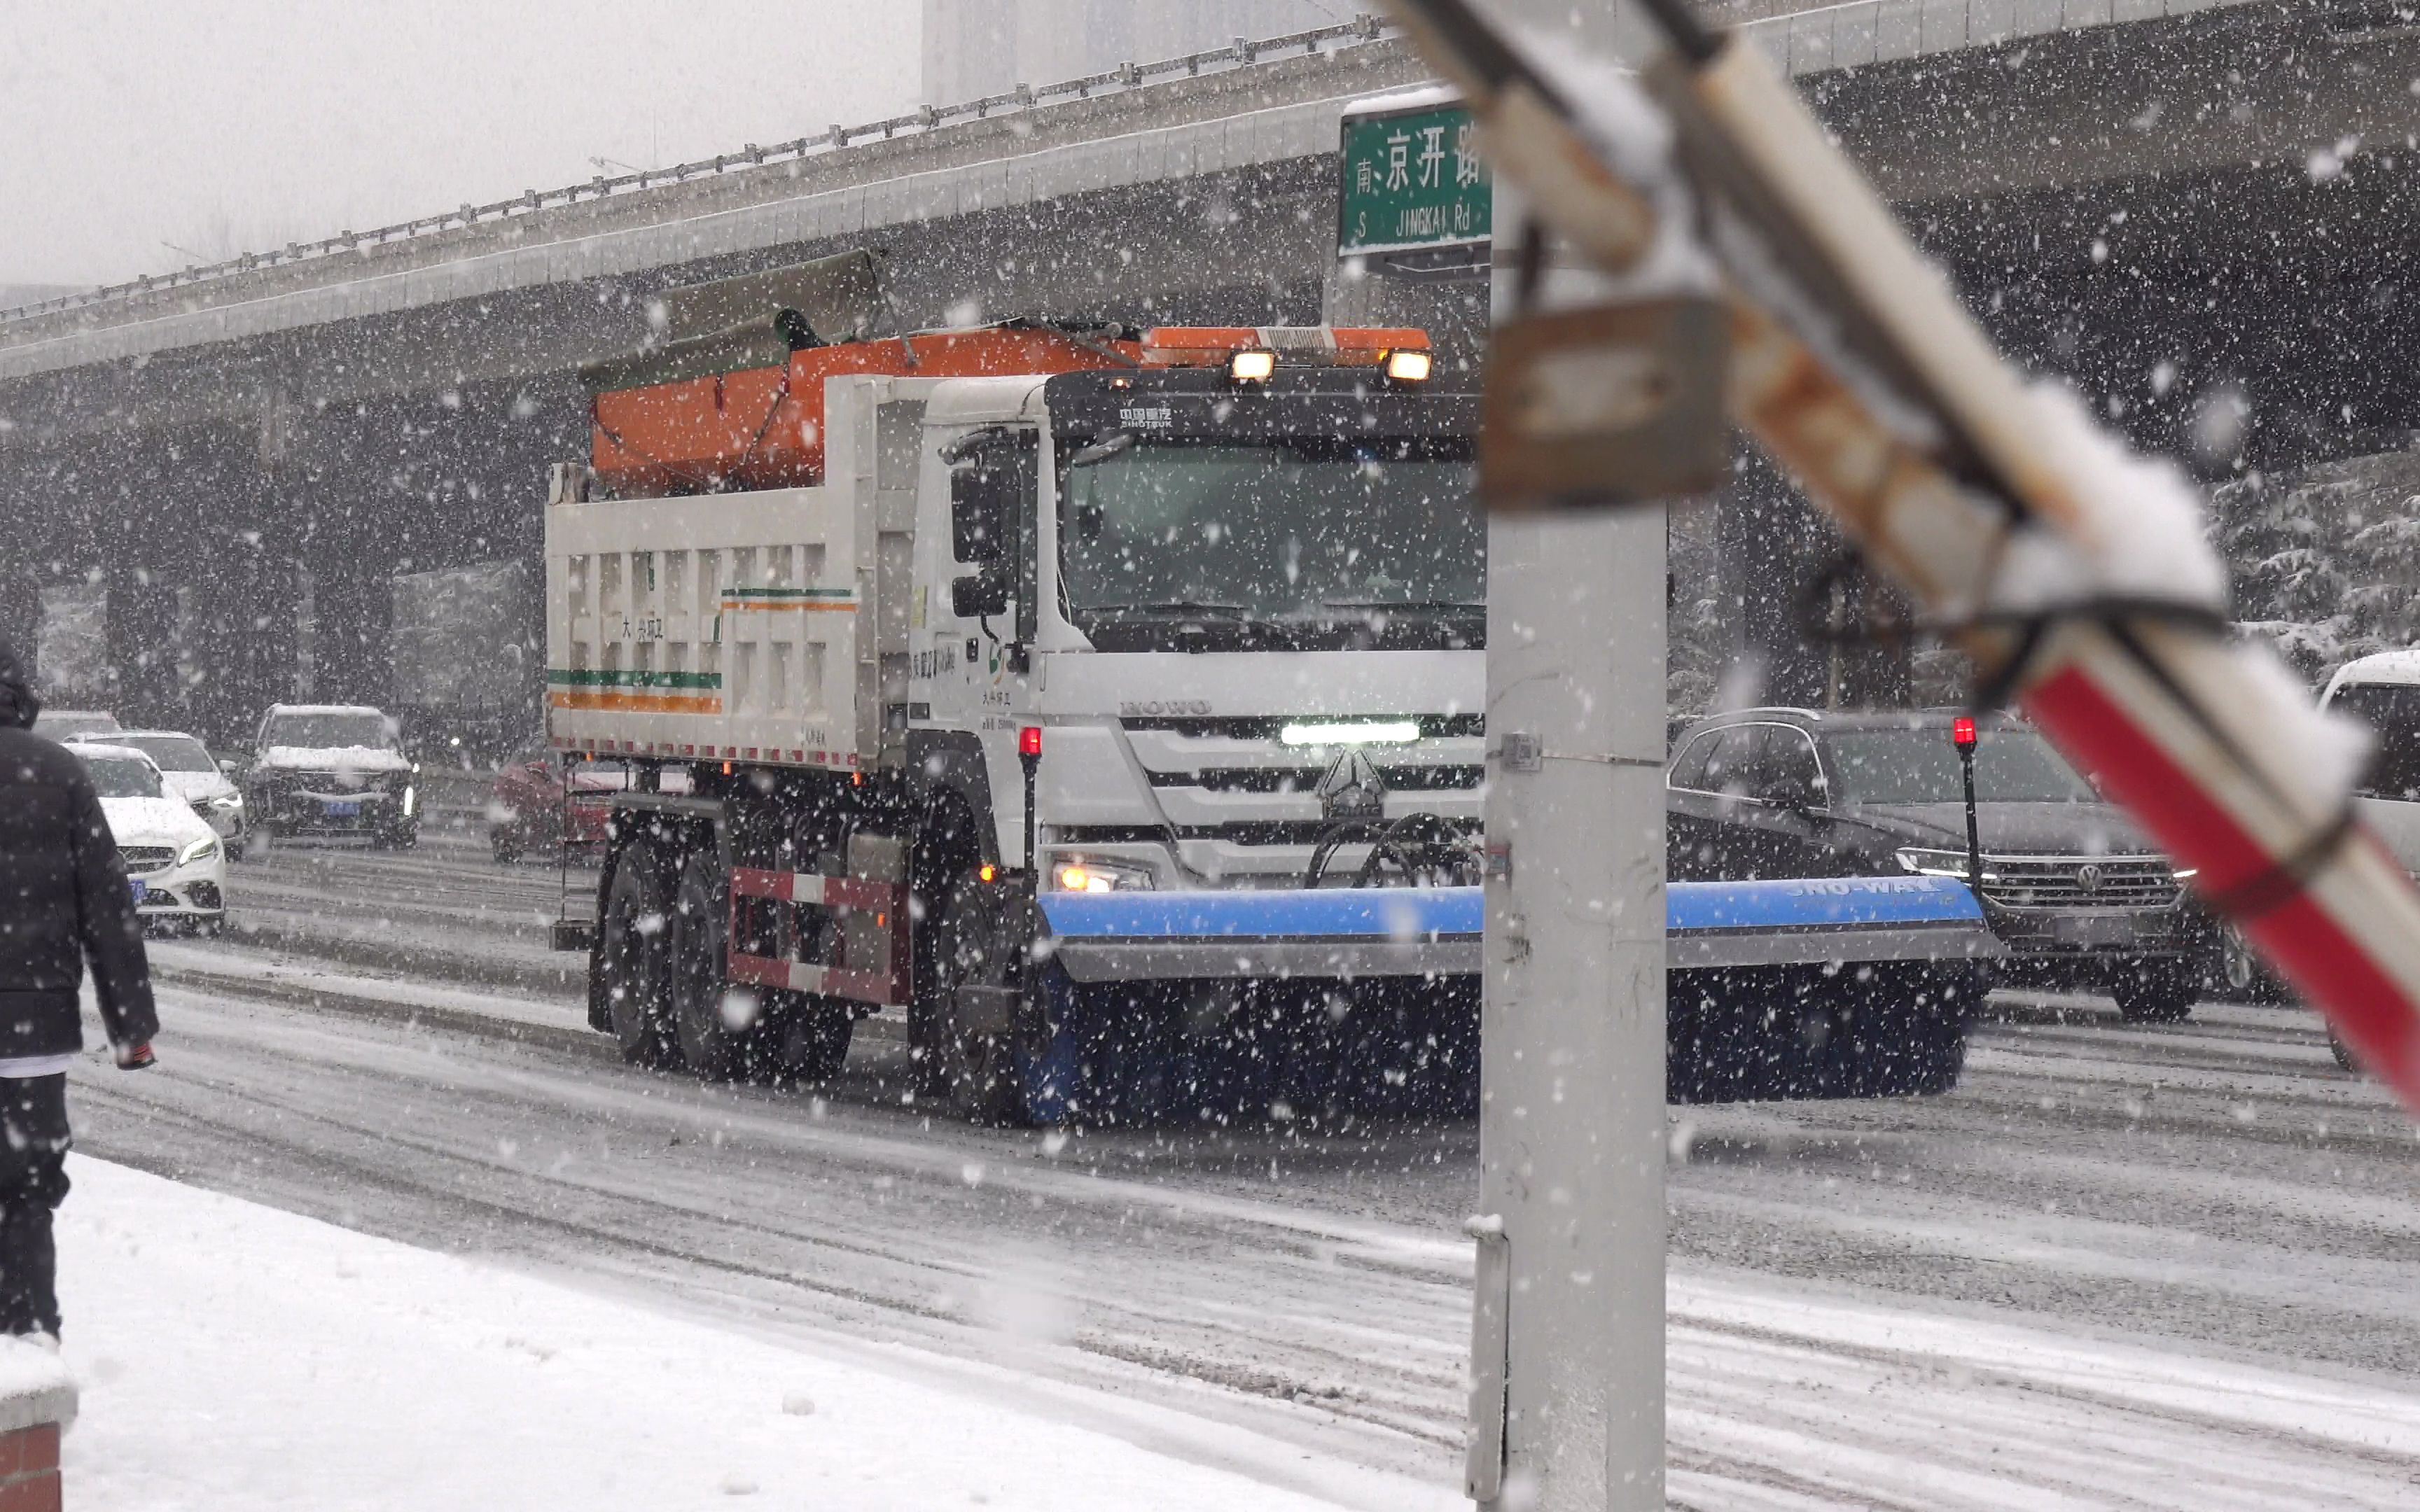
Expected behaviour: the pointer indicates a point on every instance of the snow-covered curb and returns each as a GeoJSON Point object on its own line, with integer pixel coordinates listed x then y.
{"type": "Point", "coordinates": [36, 1387]}
{"type": "Point", "coordinates": [38, 1401]}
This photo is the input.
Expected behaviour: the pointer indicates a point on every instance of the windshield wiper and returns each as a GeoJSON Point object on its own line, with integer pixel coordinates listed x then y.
{"type": "Point", "coordinates": [1103, 449]}
{"type": "Point", "coordinates": [1230, 612]}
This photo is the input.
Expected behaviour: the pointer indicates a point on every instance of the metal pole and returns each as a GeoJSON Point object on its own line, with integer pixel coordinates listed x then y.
{"type": "Point", "coordinates": [1568, 1331]}
{"type": "Point", "coordinates": [1029, 755]}
{"type": "Point", "coordinates": [1962, 735]}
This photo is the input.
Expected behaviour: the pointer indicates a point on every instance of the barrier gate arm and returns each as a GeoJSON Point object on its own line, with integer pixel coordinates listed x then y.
{"type": "Point", "coordinates": [2074, 574]}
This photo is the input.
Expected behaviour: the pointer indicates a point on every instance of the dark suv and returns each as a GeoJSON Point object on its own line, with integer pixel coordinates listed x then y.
{"type": "Point", "coordinates": [2070, 887]}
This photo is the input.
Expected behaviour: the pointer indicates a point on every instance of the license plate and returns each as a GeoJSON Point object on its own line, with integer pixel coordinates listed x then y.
{"type": "Point", "coordinates": [345, 811]}
{"type": "Point", "coordinates": [137, 883]}
{"type": "Point", "coordinates": [2094, 929]}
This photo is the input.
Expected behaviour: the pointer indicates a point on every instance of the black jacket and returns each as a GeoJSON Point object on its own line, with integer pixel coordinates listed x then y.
{"type": "Point", "coordinates": [64, 896]}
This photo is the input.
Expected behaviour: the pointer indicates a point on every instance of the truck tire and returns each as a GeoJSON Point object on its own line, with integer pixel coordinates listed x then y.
{"type": "Point", "coordinates": [2155, 993]}
{"type": "Point", "coordinates": [980, 941]}
{"type": "Point", "coordinates": [2343, 1052]}
{"type": "Point", "coordinates": [715, 1048]}
{"type": "Point", "coordinates": [634, 958]}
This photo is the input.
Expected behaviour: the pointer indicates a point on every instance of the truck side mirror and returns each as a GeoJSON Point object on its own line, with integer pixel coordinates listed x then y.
{"type": "Point", "coordinates": [981, 509]}
{"type": "Point", "coordinates": [980, 594]}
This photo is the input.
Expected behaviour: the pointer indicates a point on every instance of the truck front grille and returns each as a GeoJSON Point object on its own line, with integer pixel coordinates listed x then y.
{"type": "Point", "coordinates": [1266, 726]}
{"type": "Point", "coordinates": [2081, 882]}
{"type": "Point", "coordinates": [1306, 778]}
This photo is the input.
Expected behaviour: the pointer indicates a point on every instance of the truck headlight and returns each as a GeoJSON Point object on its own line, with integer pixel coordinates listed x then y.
{"type": "Point", "coordinates": [200, 850]}
{"type": "Point", "coordinates": [1100, 877]}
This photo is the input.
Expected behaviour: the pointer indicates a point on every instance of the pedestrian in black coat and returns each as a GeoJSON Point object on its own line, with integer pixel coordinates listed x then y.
{"type": "Point", "coordinates": [64, 901]}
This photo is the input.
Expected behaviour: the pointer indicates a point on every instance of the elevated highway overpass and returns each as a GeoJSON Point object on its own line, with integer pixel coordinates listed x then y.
{"type": "Point", "coordinates": [2211, 184]}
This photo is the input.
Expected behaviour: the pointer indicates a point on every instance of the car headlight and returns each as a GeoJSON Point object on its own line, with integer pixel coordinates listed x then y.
{"type": "Point", "coordinates": [201, 850]}
{"type": "Point", "coordinates": [410, 796]}
{"type": "Point", "coordinates": [228, 802]}
{"type": "Point", "coordinates": [1100, 877]}
{"type": "Point", "coordinates": [1929, 863]}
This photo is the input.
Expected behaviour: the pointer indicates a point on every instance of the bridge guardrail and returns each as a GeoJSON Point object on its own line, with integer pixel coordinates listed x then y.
{"type": "Point", "coordinates": [1242, 53]}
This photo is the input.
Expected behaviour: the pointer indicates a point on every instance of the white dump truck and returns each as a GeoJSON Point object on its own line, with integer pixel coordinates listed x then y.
{"type": "Point", "coordinates": [1110, 701]}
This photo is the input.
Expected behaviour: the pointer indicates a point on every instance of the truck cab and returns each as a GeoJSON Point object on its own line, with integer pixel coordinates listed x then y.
{"type": "Point", "coordinates": [2383, 691]}
{"type": "Point", "coordinates": [1207, 593]}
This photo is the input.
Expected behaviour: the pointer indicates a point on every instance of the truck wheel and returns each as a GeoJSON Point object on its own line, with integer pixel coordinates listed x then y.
{"type": "Point", "coordinates": [2343, 1052]}
{"type": "Point", "coordinates": [980, 942]}
{"type": "Point", "coordinates": [634, 958]}
{"type": "Point", "coordinates": [2247, 976]}
{"type": "Point", "coordinates": [715, 1048]}
{"type": "Point", "coordinates": [2155, 994]}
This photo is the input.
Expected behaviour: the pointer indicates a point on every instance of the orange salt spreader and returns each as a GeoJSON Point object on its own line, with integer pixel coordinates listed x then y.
{"type": "Point", "coordinates": [719, 408]}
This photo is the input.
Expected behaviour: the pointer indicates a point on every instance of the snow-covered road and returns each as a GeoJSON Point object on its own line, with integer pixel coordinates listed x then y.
{"type": "Point", "coordinates": [2171, 1267]}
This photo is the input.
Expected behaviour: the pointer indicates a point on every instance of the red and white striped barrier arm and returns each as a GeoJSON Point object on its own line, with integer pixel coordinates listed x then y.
{"type": "Point", "coordinates": [2074, 574]}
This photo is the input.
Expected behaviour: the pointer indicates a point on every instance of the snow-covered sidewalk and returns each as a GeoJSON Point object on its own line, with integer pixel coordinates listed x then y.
{"type": "Point", "coordinates": [236, 1357]}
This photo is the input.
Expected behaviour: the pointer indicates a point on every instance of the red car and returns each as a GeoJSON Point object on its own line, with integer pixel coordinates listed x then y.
{"type": "Point", "coordinates": [527, 811]}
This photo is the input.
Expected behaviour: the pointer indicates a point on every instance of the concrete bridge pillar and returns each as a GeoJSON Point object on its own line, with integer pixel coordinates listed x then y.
{"type": "Point", "coordinates": [143, 641]}
{"type": "Point", "coordinates": [241, 650]}
{"type": "Point", "coordinates": [1774, 545]}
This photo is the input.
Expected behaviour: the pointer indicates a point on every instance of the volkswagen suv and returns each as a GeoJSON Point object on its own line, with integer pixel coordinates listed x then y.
{"type": "Point", "coordinates": [2068, 883]}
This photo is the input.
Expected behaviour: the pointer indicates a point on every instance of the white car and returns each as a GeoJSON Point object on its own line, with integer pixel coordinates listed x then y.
{"type": "Point", "coordinates": [64, 725]}
{"type": "Point", "coordinates": [175, 860]}
{"type": "Point", "coordinates": [190, 774]}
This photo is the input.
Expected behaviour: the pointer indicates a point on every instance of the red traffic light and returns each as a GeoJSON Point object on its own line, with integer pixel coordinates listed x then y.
{"type": "Point", "coordinates": [1029, 740]}
{"type": "Point", "coordinates": [1961, 732]}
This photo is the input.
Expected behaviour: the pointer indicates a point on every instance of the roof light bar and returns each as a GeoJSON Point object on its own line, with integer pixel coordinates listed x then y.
{"type": "Point", "coordinates": [1252, 367]}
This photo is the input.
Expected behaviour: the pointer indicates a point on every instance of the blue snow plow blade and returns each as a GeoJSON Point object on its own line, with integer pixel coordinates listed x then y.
{"type": "Point", "coordinates": [1435, 931]}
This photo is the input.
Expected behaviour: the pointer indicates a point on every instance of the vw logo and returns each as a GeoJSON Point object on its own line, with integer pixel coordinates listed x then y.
{"type": "Point", "coordinates": [2087, 877]}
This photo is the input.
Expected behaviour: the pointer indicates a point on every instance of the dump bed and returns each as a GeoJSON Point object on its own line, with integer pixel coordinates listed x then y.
{"type": "Point", "coordinates": [769, 626]}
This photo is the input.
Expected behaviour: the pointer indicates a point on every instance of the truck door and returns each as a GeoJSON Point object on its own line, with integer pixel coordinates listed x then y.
{"type": "Point", "coordinates": [981, 614]}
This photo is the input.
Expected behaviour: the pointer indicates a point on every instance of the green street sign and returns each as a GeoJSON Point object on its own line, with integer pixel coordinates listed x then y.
{"type": "Point", "coordinates": [1412, 179]}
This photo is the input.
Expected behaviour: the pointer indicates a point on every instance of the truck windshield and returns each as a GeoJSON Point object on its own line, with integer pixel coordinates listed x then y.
{"type": "Point", "coordinates": [329, 732]}
{"type": "Point", "coordinates": [1258, 533]}
{"type": "Point", "coordinates": [1921, 766]}
{"type": "Point", "coordinates": [2393, 711]}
